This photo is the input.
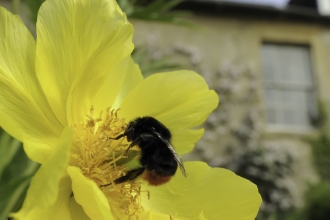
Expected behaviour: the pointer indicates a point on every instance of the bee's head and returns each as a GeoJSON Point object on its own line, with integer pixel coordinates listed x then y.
{"type": "Point", "coordinates": [130, 131]}
{"type": "Point", "coordinates": [145, 125]}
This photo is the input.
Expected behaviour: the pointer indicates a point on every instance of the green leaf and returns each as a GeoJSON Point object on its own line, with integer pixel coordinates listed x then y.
{"type": "Point", "coordinates": [157, 10]}
{"type": "Point", "coordinates": [148, 66]}
{"type": "Point", "coordinates": [34, 6]}
{"type": "Point", "coordinates": [13, 194]}
{"type": "Point", "coordinates": [8, 149]}
{"type": "Point", "coordinates": [16, 172]}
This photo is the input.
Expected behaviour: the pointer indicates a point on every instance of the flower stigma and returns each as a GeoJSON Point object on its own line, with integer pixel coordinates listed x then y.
{"type": "Point", "coordinates": [102, 159]}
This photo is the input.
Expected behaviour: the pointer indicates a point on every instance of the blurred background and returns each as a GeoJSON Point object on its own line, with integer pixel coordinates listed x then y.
{"type": "Point", "coordinates": [269, 61]}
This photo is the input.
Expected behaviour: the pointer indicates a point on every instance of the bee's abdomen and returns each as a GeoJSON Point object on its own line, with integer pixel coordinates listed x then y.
{"type": "Point", "coordinates": [154, 178]}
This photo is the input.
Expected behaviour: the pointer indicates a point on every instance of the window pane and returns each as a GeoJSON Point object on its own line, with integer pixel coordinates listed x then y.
{"type": "Point", "coordinates": [288, 81]}
{"type": "Point", "coordinates": [286, 64]}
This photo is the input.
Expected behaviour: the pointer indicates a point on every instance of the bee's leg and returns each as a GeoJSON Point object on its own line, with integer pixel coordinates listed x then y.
{"type": "Point", "coordinates": [133, 143]}
{"type": "Point", "coordinates": [119, 136]}
{"type": "Point", "coordinates": [131, 175]}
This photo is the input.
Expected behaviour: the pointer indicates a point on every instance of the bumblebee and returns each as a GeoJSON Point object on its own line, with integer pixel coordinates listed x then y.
{"type": "Point", "coordinates": [158, 159]}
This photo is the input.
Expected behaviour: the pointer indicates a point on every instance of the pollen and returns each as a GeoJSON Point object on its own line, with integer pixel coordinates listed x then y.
{"type": "Point", "coordinates": [100, 158]}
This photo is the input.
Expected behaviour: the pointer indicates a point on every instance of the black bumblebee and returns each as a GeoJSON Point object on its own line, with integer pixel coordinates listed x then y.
{"type": "Point", "coordinates": [158, 158]}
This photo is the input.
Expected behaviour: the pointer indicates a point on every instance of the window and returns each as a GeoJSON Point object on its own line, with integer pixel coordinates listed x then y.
{"type": "Point", "coordinates": [289, 85]}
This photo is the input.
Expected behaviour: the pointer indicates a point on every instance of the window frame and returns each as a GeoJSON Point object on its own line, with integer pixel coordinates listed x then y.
{"type": "Point", "coordinates": [310, 88]}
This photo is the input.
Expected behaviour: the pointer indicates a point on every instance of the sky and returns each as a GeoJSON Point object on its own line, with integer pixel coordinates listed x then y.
{"type": "Point", "coordinates": [277, 3]}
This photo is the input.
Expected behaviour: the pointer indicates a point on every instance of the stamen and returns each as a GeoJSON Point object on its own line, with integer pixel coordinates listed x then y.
{"type": "Point", "coordinates": [97, 154]}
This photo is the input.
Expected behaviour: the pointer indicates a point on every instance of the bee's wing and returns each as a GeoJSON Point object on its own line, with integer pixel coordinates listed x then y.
{"type": "Point", "coordinates": [176, 156]}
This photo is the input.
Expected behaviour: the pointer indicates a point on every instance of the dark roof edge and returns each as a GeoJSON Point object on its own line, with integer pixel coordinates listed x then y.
{"type": "Point", "coordinates": [217, 8]}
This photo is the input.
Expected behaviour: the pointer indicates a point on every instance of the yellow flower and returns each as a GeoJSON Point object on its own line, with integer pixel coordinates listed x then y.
{"type": "Point", "coordinates": [68, 93]}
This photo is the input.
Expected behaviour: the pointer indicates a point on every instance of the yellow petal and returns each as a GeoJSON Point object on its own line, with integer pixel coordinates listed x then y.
{"type": "Point", "coordinates": [24, 110]}
{"type": "Point", "coordinates": [50, 190]}
{"type": "Point", "coordinates": [103, 76]}
{"type": "Point", "coordinates": [22, 118]}
{"type": "Point", "coordinates": [180, 100]}
{"type": "Point", "coordinates": [217, 193]}
{"type": "Point", "coordinates": [69, 33]}
{"type": "Point", "coordinates": [77, 212]}
{"type": "Point", "coordinates": [10, 126]}
{"type": "Point", "coordinates": [17, 60]}
{"type": "Point", "coordinates": [184, 140]}
{"type": "Point", "coordinates": [132, 79]}
{"type": "Point", "coordinates": [89, 196]}
{"type": "Point", "coordinates": [152, 215]}
{"type": "Point", "coordinates": [58, 210]}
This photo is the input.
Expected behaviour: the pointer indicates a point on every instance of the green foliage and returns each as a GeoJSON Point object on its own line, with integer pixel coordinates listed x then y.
{"type": "Point", "coordinates": [149, 66]}
{"type": "Point", "coordinates": [318, 202]}
{"type": "Point", "coordinates": [269, 168]}
{"type": "Point", "coordinates": [15, 5]}
{"type": "Point", "coordinates": [321, 155]}
{"type": "Point", "coordinates": [320, 119]}
{"type": "Point", "coordinates": [16, 171]}
{"type": "Point", "coordinates": [321, 144]}
{"type": "Point", "coordinates": [157, 10]}
{"type": "Point", "coordinates": [34, 6]}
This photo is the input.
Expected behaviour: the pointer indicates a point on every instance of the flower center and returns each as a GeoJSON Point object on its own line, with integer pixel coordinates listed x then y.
{"type": "Point", "coordinates": [99, 157]}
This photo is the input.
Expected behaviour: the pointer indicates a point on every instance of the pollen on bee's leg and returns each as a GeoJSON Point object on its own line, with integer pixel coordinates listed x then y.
{"type": "Point", "coordinates": [97, 154]}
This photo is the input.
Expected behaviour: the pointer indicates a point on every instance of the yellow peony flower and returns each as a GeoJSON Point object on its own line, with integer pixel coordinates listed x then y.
{"type": "Point", "coordinates": [66, 94]}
